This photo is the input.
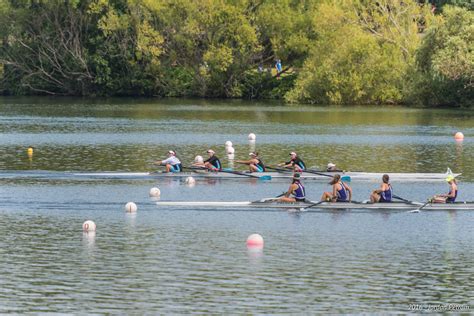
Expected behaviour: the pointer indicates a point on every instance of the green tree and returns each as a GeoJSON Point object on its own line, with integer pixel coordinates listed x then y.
{"type": "Point", "coordinates": [445, 61]}
{"type": "Point", "coordinates": [362, 53]}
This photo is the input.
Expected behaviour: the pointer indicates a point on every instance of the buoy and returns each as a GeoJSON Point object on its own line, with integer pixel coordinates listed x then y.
{"type": "Point", "coordinates": [230, 156]}
{"type": "Point", "coordinates": [198, 159]}
{"type": "Point", "coordinates": [230, 150]}
{"type": "Point", "coordinates": [255, 241]}
{"type": "Point", "coordinates": [88, 226]}
{"type": "Point", "coordinates": [190, 181]}
{"type": "Point", "coordinates": [459, 136]}
{"type": "Point", "coordinates": [130, 207]}
{"type": "Point", "coordinates": [30, 151]}
{"type": "Point", "coordinates": [155, 192]}
{"type": "Point", "coordinates": [228, 143]}
{"type": "Point", "coordinates": [252, 136]}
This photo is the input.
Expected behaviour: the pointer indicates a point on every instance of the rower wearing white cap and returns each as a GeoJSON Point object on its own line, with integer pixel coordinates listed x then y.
{"type": "Point", "coordinates": [172, 163]}
{"type": "Point", "coordinates": [295, 162]}
{"type": "Point", "coordinates": [332, 168]}
{"type": "Point", "coordinates": [212, 163]}
{"type": "Point", "coordinates": [255, 163]}
{"type": "Point", "coordinates": [296, 191]}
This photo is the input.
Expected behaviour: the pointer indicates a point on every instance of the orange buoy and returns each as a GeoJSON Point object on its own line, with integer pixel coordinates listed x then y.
{"type": "Point", "coordinates": [459, 136]}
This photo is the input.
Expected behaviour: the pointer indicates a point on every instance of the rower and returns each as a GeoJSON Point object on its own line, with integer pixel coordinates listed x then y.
{"type": "Point", "coordinates": [296, 189]}
{"type": "Point", "coordinates": [255, 163]}
{"type": "Point", "coordinates": [384, 194]}
{"type": "Point", "coordinates": [452, 194]}
{"type": "Point", "coordinates": [212, 163]}
{"type": "Point", "coordinates": [341, 192]}
{"type": "Point", "coordinates": [172, 163]}
{"type": "Point", "coordinates": [295, 162]}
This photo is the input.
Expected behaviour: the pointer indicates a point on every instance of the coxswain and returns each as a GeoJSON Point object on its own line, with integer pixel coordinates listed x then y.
{"type": "Point", "coordinates": [172, 163]}
{"type": "Point", "coordinates": [341, 192]}
{"type": "Point", "coordinates": [255, 163]}
{"type": "Point", "coordinates": [295, 162]}
{"type": "Point", "coordinates": [452, 194]}
{"type": "Point", "coordinates": [384, 194]}
{"type": "Point", "coordinates": [296, 191]}
{"type": "Point", "coordinates": [212, 163]}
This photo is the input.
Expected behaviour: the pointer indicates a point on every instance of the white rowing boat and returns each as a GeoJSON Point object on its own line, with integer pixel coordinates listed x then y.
{"type": "Point", "coordinates": [227, 175]}
{"type": "Point", "coordinates": [319, 176]}
{"type": "Point", "coordinates": [274, 204]}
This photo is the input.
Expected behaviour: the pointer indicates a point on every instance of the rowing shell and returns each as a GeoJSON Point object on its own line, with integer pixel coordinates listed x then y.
{"type": "Point", "coordinates": [366, 176]}
{"type": "Point", "coordinates": [272, 203]}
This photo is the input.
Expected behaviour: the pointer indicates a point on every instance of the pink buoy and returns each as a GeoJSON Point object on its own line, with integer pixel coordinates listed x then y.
{"type": "Point", "coordinates": [88, 226]}
{"type": "Point", "coordinates": [255, 241]}
{"type": "Point", "coordinates": [459, 136]}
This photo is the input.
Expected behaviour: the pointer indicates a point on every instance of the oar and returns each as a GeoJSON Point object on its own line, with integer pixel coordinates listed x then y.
{"type": "Point", "coordinates": [232, 172]}
{"type": "Point", "coordinates": [343, 178]}
{"type": "Point", "coordinates": [421, 207]}
{"type": "Point", "coordinates": [247, 175]}
{"type": "Point", "coordinates": [404, 200]}
{"type": "Point", "coordinates": [279, 169]}
{"type": "Point", "coordinates": [311, 205]}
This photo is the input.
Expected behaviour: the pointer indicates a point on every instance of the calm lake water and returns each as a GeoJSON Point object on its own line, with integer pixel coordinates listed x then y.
{"type": "Point", "coordinates": [168, 260]}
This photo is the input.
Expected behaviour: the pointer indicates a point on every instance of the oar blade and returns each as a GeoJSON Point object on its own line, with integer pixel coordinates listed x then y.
{"type": "Point", "coordinates": [346, 179]}
{"type": "Point", "coordinates": [265, 178]}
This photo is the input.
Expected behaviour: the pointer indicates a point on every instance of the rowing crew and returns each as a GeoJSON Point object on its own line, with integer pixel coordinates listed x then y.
{"type": "Point", "coordinates": [342, 192]}
{"type": "Point", "coordinates": [255, 163]}
{"type": "Point", "coordinates": [173, 164]}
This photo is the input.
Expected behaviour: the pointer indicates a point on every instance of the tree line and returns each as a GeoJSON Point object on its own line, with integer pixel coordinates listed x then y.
{"type": "Point", "coordinates": [332, 51]}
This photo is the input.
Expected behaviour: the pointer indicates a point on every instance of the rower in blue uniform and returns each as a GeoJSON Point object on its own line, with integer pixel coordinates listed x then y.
{"type": "Point", "coordinates": [172, 163]}
{"type": "Point", "coordinates": [452, 194]}
{"type": "Point", "coordinates": [212, 163]}
{"type": "Point", "coordinates": [295, 162]}
{"type": "Point", "coordinates": [255, 163]}
{"type": "Point", "coordinates": [296, 191]}
{"type": "Point", "coordinates": [341, 192]}
{"type": "Point", "coordinates": [384, 194]}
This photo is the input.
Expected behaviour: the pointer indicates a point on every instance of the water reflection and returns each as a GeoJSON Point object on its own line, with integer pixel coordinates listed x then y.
{"type": "Point", "coordinates": [88, 240]}
{"type": "Point", "coordinates": [178, 261]}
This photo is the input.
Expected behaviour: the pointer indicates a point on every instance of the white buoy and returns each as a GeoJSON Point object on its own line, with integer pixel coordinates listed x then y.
{"type": "Point", "coordinates": [230, 156]}
{"type": "Point", "coordinates": [190, 181]}
{"type": "Point", "coordinates": [255, 241]}
{"type": "Point", "coordinates": [155, 192]}
{"type": "Point", "coordinates": [88, 226]}
{"type": "Point", "coordinates": [228, 143]}
{"type": "Point", "coordinates": [198, 159]}
{"type": "Point", "coordinates": [252, 136]}
{"type": "Point", "coordinates": [130, 207]}
{"type": "Point", "coordinates": [229, 150]}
